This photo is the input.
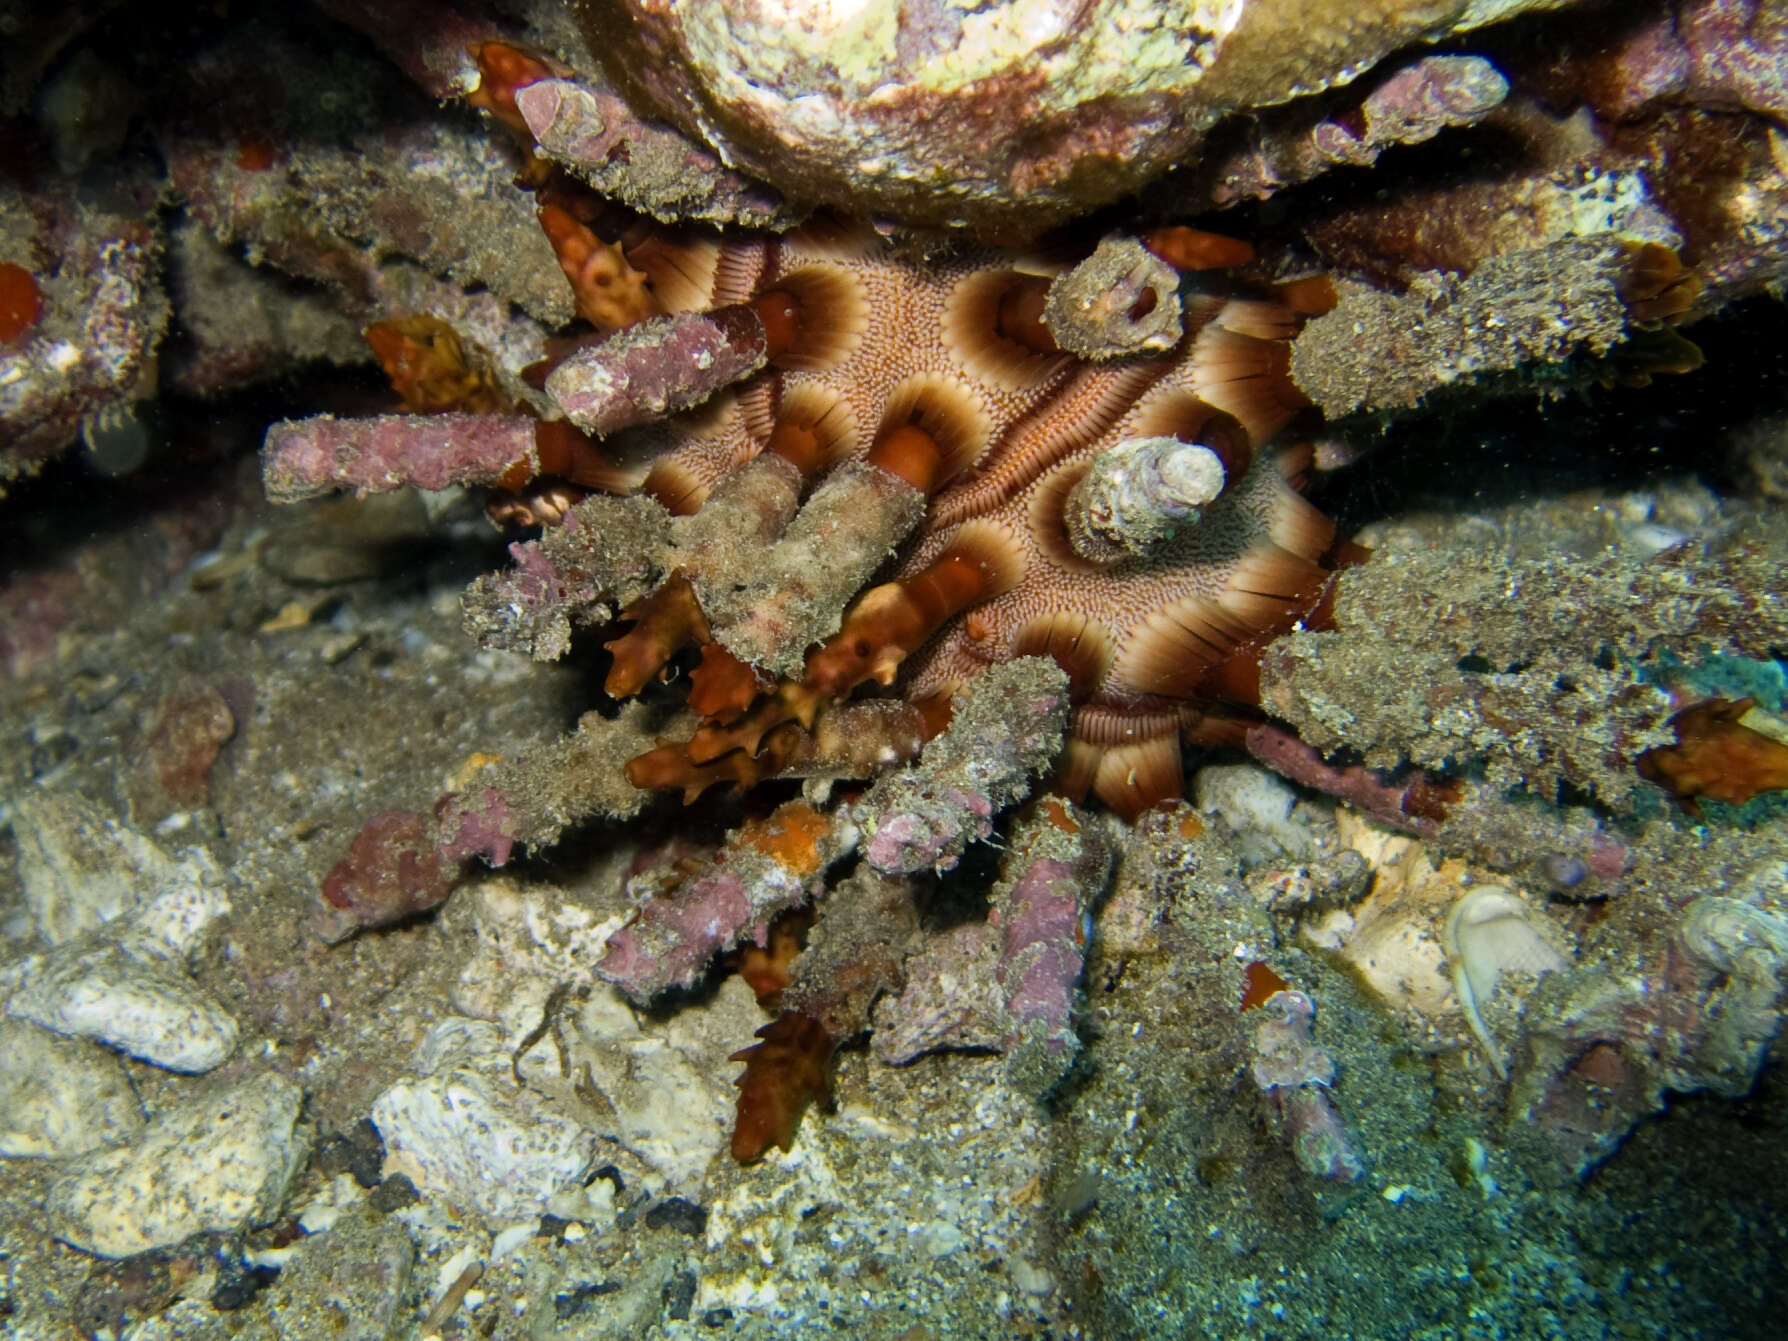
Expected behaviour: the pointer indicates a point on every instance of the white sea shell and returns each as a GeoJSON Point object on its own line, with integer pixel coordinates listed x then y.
{"type": "Point", "coordinates": [1489, 932]}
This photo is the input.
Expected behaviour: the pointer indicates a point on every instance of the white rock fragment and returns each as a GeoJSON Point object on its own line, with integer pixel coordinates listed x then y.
{"type": "Point", "coordinates": [147, 1008]}
{"type": "Point", "coordinates": [587, 1207]}
{"type": "Point", "coordinates": [59, 1097]}
{"type": "Point", "coordinates": [80, 870]}
{"type": "Point", "coordinates": [666, 1091]}
{"type": "Point", "coordinates": [1259, 806]}
{"type": "Point", "coordinates": [171, 922]}
{"type": "Point", "coordinates": [458, 1137]}
{"type": "Point", "coordinates": [530, 941]}
{"type": "Point", "coordinates": [217, 1163]}
{"type": "Point", "coordinates": [461, 1130]}
{"type": "Point", "coordinates": [669, 1086]}
{"type": "Point", "coordinates": [125, 984]}
{"type": "Point", "coordinates": [508, 1240]}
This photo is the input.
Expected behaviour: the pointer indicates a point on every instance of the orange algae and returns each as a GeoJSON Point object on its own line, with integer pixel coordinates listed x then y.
{"type": "Point", "coordinates": [1263, 985]}
{"type": "Point", "coordinates": [785, 1072]}
{"type": "Point", "coordinates": [431, 369]}
{"type": "Point", "coordinates": [1716, 756]}
{"type": "Point", "coordinates": [791, 836]}
{"type": "Point", "coordinates": [769, 968]}
{"type": "Point", "coordinates": [21, 302]}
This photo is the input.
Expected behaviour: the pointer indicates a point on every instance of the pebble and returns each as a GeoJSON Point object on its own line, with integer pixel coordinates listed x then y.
{"type": "Point", "coordinates": [60, 1097]}
{"type": "Point", "coordinates": [220, 1162]}
{"type": "Point", "coordinates": [938, 1238]}
{"type": "Point", "coordinates": [143, 1007]}
{"type": "Point", "coordinates": [1030, 1278]}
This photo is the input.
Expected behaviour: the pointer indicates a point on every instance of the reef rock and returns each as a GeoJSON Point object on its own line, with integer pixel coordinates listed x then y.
{"type": "Point", "coordinates": [1018, 113]}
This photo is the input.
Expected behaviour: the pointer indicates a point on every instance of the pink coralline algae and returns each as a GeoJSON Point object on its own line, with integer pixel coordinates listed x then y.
{"type": "Point", "coordinates": [393, 869]}
{"type": "Point", "coordinates": [771, 866]}
{"type": "Point", "coordinates": [764, 869]}
{"type": "Point", "coordinates": [1011, 983]}
{"type": "Point", "coordinates": [391, 451]}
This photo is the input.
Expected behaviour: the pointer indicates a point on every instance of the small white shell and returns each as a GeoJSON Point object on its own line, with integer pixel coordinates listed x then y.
{"type": "Point", "coordinates": [1488, 933]}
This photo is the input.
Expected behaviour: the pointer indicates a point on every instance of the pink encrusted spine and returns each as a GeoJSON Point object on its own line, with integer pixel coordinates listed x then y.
{"type": "Point", "coordinates": [1011, 983]}
{"type": "Point", "coordinates": [1387, 802]}
{"type": "Point", "coordinates": [657, 367]}
{"type": "Point", "coordinates": [1413, 105]}
{"type": "Point", "coordinates": [304, 457]}
{"type": "Point", "coordinates": [1296, 1074]}
{"type": "Point", "coordinates": [672, 940]}
{"type": "Point", "coordinates": [765, 868]}
{"type": "Point", "coordinates": [1058, 867]}
{"type": "Point", "coordinates": [1006, 729]}
{"type": "Point", "coordinates": [1042, 950]}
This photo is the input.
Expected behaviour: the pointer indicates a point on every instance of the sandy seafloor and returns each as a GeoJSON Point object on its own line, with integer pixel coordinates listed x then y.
{"type": "Point", "coordinates": [1149, 1199]}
